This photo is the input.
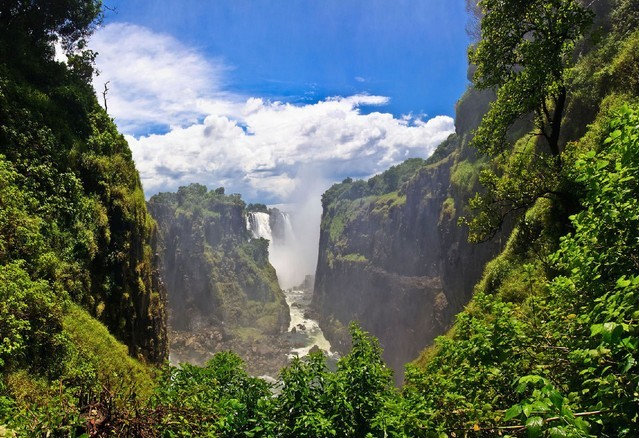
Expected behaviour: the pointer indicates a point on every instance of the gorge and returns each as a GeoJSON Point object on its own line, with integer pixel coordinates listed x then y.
{"type": "Point", "coordinates": [187, 314]}
{"type": "Point", "coordinates": [219, 258]}
{"type": "Point", "coordinates": [391, 257]}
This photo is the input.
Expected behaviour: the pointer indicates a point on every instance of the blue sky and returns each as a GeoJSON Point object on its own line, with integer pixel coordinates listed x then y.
{"type": "Point", "coordinates": [413, 51]}
{"type": "Point", "coordinates": [264, 97]}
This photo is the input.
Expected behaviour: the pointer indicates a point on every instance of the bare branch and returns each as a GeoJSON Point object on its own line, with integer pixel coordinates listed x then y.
{"type": "Point", "coordinates": [104, 95]}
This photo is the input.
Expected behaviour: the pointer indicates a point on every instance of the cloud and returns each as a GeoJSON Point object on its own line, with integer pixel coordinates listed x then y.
{"type": "Point", "coordinates": [268, 156]}
{"type": "Point", "coordinates": [265, 150]}
{"type": "Point", "coordinates": [154, 80]}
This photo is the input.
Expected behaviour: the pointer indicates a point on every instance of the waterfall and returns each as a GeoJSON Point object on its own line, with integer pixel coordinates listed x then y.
{"type": "Point", "coordinates": [281, 227]}
{"type": "Point", "coordinates": [258, 224]}
{"type": "Point", "coordinates": [288, 227]}
{"type": "Point", "coordinates": [284, 251]}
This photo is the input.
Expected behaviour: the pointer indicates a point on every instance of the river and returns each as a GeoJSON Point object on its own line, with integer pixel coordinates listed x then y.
{"type": "Point", "coordinates": [304, 332]}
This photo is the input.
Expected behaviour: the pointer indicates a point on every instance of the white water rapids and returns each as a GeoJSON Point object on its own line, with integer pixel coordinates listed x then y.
{"type": "Point", "coordinates": [305, 332]}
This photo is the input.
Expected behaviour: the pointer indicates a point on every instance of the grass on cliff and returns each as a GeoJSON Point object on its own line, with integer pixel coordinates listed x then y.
{"type": "Point", "coordinates": [109, 357]}
{"type": "Point", "coordinates": [92, 369]}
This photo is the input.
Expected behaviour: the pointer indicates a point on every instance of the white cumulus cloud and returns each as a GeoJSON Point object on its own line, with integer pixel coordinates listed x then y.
{"type": "Point", "coordinates": [154, 80]}
{"type": "Point", "coordinates": [183, 126]}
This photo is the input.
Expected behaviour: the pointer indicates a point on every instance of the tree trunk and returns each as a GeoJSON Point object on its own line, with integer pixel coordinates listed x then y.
{"type": "Point", "coordinates": [555, 123]}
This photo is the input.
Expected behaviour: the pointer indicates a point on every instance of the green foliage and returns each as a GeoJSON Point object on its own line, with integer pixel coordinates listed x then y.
{"type": "Point", "coordinates": [257, 207]}
{"type": "Point", "coordinates": [77, 215]}
{"type": "Point", "coordinates": [544, 408]}
{"type": "Point", "coordinates": [511, 186]}
{"type": "Point", "coordinates": [73, 231]}
{"type": "Point", "coordinates": [524, 50]}
{"type": "Point", "coordinates": [448, 210]}
{"type": "Point", "coordinates": [94, 378]}
{"type": "Point", "coordinates": [20, 236]}
{"type": "Point", "coordinates": [600, 261]}
{"type": "Point", "coordinates": [625, 71]}
{"type": "Point", "coordinates": [392, 180]}
{"type": "Point", "coordinates": [575, 82]}
{"type": "Point", "coordinates": [28, 30]}
{"type": "Point", "coordinates": [396, 177]}
{"type": "Point", "coordinates": [465, 175]}
{"type": "Point", "coordinates": [355, 258]}
{"type": "Point", "coordinates": [30, 321]}
{"type": "Point", "coordinates": [304, 406]}
{"type": "Point", "coordinates": [96, 349]}
{"type": "Point", "coordinates": [219, 399]}
{"type": "Point", "coordinates": [315, 402]}
{"type": "Point", "coordinates": [549, 357]}
{"type": "Point", "coordinates": [364, 385]}
{"type": "Point", "coordinates": [384, 205]}
{"type": "Point", "coordinates": [71, 20]}
{"type": "Point", "coordinates": [625, 16]}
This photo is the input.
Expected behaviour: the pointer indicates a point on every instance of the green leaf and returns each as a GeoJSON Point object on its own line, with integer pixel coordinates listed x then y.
{"type": "Point", "coordinates": [630, 362]}
{"type": "Point", "coordinates": [513, 412]}
{"type": "Point", "coordinates": [557, 432]}
{"type": "Point", "coordinates": [534, 426]}
{"type": "Point", "coordinates": [623, 282]}
{"type": "Point", "coordinates": [630, 343]}
{"type": "Point", "coordinates": [527, 409]}
{"type": "Point", "coordinates": [557, 399]}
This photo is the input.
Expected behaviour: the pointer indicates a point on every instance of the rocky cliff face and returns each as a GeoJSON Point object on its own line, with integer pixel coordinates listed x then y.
{"type": "Point", "coordinates": [94, 240]}
{"type": "Point", "coordinates": [391, 253]}
{"type": "Point", "coordinates": [222, 291]}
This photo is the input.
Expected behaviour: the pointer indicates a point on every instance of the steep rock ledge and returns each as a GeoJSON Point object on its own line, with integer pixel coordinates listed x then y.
{"type": "Point", "coordinates": [391, 253]}
{"type": "Point", "coordinates": [222, 291]}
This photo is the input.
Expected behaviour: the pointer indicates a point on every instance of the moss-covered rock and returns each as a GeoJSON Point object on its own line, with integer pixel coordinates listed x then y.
{"type": "Point", "coordinates": [219, 279]}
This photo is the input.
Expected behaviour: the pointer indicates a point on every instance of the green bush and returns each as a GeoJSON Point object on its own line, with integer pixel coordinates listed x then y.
{"type": "Point", "coordinates": [30, 321]}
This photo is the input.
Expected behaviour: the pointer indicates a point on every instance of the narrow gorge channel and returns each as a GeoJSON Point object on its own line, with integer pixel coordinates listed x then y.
{"type": "Point", "coordinates": [304, 331]}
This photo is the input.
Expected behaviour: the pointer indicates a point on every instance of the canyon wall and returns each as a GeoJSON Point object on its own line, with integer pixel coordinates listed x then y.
{"type": "Point", "coordinates": [392, 255]}
{"type": "Point", "coordinates": [222, 291]}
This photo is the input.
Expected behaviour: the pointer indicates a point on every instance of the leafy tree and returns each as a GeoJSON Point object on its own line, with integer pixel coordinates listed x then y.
{"type": "Point", "coordinates": [70, 20]}
{"type": "Point", "coordinates": [525, 51]}
{"type": "Point", "coordinates": [349, 402]}
{"type": "Point", "coordinates": [219, 399]}
{"type": "Point", "coordinates": [525, 48]}
{"type": "Point", "coordinates": [601, 282]}
{"type": "Point", "coordinates": [363, 382]}
{"type": "Point", "coordinates": [304, 406]}
{"type": "Point", "coordinates": [30, 320]}
{"type": "Point", "coordinates": [525, 176]}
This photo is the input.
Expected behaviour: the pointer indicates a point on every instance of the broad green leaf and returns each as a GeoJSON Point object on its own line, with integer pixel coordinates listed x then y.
{"type": "Point", "coordinates": [557, 432]}
{"type": "Point", "coordinates": [557, 399]}
{"type": "Point", "coordinates": [630, 362]}
{"type": "Point", "coordinates": [513, 412]}
{"type": "Point", "coordinates": [534, 426]}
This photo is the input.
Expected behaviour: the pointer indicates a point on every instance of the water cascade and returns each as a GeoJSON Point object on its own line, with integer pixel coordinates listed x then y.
{"type": "Point", "coordinates": [276, 227]}
{"type": "Point", "coordinates": [258, 223]}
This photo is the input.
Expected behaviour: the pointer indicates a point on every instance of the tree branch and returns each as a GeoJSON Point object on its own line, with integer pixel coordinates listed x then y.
{"type": "Point", "coordinates": [104, 95]}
